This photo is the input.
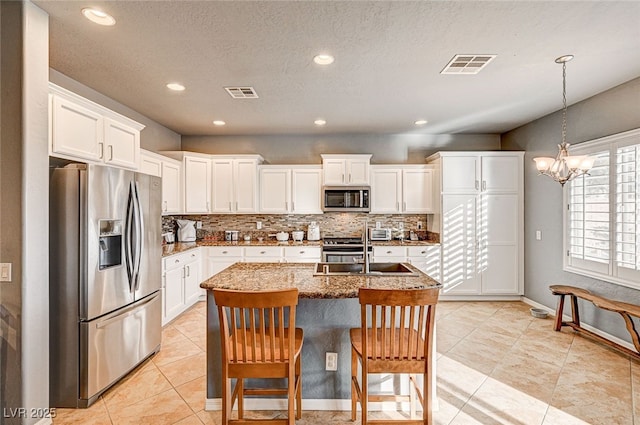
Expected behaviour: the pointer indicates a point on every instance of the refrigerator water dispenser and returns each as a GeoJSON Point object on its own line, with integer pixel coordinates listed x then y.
{"type": "Point", "coordinates": [110, 244]}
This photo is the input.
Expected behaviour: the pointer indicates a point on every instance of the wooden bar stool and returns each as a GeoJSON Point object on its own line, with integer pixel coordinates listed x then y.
{"type": "Point", "coordinates": [258, 343]}
{"type": "Point", "coordinates": [396, 336]}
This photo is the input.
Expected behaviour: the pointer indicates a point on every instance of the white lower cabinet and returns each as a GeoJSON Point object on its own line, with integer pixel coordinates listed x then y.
{"type": "Point", "coordinates": [302, 254]}
{"type": "Point", "coordinates": [181, 285]}
{"type": "Point", "coordinates": [221, 257]}
{"type": "Point", "coordinates": [263, 254]}
{"type": "Point", "coordinates": [425, 258]}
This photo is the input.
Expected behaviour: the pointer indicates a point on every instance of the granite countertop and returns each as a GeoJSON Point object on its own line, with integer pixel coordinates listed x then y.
{"type": "Point", "coordinates": [270, 276]}
{"type": "Point", "coordinates": [179, 247]}
{"type": "Point", "coordinates": [405, 242]}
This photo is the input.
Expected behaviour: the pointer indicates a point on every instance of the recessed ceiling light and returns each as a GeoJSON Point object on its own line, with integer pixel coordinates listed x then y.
{"type": "Point", "coordinates": [98, 16]}
{"type": "Point", "coordinates": [320, 122]}
{"type": "Point", "coordinates": [219, 122]}
{"type": "Point", "coordinates": [175, 86]}
{"type": "Point", "coordinates": [323, 59]}
{"type": "Point", "coordinates": [421, 122]}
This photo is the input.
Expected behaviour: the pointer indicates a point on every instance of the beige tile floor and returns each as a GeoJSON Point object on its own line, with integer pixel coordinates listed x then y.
{"type": "Point", "coordinates": [496, 365]}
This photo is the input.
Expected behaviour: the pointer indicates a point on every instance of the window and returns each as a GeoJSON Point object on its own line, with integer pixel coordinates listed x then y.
{"type": "Point", "coordinates": [602, 219]}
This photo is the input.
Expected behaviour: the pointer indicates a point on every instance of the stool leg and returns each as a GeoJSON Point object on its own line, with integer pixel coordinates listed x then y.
{"type": "Point", "coordinates": [354, 369]}
{"type": "Point", "coordinates": [559, 309]}
{"type": "Point", "coordinates": [299, 389]}
{"type": "Point", "coordinates": [575, 314]}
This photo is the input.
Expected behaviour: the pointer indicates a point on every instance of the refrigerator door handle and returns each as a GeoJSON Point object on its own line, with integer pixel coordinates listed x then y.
{"type": "Point", "coordinates": [128, 239]}
{"type": "Point", "coordinates": [139, 237]}
{"type": "Point", "coordinates": [123, 314]}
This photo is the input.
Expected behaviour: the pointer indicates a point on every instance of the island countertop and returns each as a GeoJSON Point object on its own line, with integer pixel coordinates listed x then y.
{"type": "Point", "coordinates": [271, 276]}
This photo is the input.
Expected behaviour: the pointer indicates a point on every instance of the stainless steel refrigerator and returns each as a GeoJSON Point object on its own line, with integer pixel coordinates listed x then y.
{"type": "Point", "coordinates": [105, 278]}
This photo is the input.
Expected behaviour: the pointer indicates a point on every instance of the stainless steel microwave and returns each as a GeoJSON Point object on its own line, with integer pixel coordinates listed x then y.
{"type": "Point", "coordinates": [346, 198]}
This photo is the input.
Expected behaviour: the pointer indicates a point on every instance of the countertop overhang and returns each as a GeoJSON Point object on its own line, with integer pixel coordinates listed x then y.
{"type": "Point", "coordinates": [273, 276]}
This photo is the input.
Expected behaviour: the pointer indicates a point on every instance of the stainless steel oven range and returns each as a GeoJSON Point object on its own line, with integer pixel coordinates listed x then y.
{"type": "Point", "coordinates": [342, 250]}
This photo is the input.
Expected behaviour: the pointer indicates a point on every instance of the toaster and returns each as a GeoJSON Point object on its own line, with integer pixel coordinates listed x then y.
{"type": "Point", "coordinates": [380, 234]}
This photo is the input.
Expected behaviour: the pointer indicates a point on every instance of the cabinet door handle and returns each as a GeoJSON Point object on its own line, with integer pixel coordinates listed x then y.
{"type": "Point", "coordinates": [404, 206]}
{"type": "Point", "coordinates": [176, 261]}
{"type": "Point", "coordinates": [484, 185]}
{"type": "Point", "coordinates": [349, 177]}
{"type": "Point", "coordinates": [398, 206]}
{"type": "Point", "coordinates": [236, 205]}
{"type": "Point", "coordinates": [477, 185]}
{"type": "Point", "coordinates": [188, 270]}
{"type": "Point", "coordinates": [165, 206]}
{"type": "Point", "coordinates": [207, 205]}
{"type": "Point", "coordinates": [286, 206]}
{"type": "Point", "coordinates": [342, 178]}
{"type": "Point", "coordinates": [423, 252]}
{"type": "Point", "coordinates": [293, 206]}
{"type": "Point", "coordinates": [110, 152]}
{"type": "Point", "coordinates": [230, 206]}
{"type": "Point", "coordinates": [101, 145]}
{"type": "Point", "coordinates": [301, 252]}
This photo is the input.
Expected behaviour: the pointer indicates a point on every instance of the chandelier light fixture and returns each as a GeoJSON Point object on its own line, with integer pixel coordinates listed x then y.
{"type": "Point", "coordinates": [564, 167]}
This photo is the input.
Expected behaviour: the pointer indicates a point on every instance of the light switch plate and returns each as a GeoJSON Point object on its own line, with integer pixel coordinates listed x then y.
{"type": "Point", "coordinates": [5, 272]}
{"type": "Point", "coordinates": [538, 235]}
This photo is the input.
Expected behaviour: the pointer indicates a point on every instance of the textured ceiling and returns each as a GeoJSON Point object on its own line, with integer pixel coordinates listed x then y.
{"type": "Point", "coordinates": [387, 69]}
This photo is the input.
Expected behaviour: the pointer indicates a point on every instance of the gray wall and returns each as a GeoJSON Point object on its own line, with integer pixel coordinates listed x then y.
{"type": "Point", "coordinates": [154, 137]}
{"type": "Point", "coordinates": [24, 209]}
{"type": "Point", "coordinates": [306, 149]}
{"type": "Point", "coordinates": [611, 112]}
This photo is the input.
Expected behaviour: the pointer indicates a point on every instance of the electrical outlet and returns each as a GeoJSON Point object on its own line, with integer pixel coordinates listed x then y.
{"type": "Point", "coordinates": [198, 224]}
{"type": "Point", "coordinates": [419, 225]}
{"type": "Point", "coordinates": [258, 225]}
{"type": "Point", "coordinates": [5, 273]}
{"type": "Point", "coordinates": [538, 235]}
{"type": "Point", "coordinates": [378, 225]}
{"type": "Point", "coordinates": [331, 362]}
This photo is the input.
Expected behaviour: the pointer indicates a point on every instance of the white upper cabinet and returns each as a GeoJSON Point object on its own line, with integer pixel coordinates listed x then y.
{"type": "Point", "coordinates": [197, 184]}
{"type": "Point", "coordinates": [473, 172]}
{"type": "Point", "coordinates": [171, 187]}
{"type": "Point", "coordinates": [386, 190]}
{"type": "Point", "coordinates": [122, 144]}
{"type": "Point", "coordinates": [460, 174]}
{"type": "Point", "coordinates": [76, 131]}
{"type": "Point", "coordinates": [306, 190]}
{"type": "Point", "coordinates": [417, 190]}
{"type": "Point", "coordinates": [346, 169]}
{"type": "Point", "coordinates": [275, 190]}
{"type": "Point", "coordinates": [84, 130]}
{"type": "Point", "coordinates": [171, 172]}
{"type": "Point", "coordinates": [286, 190]}
{"type": "Point", "coordinates": [235, 184]}
{"type": "Point", "coordinates": [402, 189]}
{"type": "Point", "coordinates": [150, 163]}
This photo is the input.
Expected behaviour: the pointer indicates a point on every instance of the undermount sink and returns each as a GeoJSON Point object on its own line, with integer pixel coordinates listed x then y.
{"type": "Point", "coordinates": [375, 269]}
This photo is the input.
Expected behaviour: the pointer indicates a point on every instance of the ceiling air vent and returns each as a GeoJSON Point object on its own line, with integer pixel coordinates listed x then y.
{"type": "Point", "coordinates": [467, 64]}
{"type": "Point", "coordinates": [242, 92]}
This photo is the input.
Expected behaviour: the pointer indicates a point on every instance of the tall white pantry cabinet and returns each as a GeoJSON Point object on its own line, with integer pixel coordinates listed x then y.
{"type": "Point", "coordinates": [481, 223]}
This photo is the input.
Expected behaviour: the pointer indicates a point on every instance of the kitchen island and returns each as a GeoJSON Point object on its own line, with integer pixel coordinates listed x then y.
{"type": "Point", "coordinates": [327, 309]}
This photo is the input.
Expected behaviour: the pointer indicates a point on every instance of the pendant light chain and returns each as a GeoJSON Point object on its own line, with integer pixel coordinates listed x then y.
{"type": "Point", "coordinates": [564, 102]}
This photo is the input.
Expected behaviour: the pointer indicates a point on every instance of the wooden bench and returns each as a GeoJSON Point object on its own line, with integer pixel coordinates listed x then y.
{"type": "Point", "coordinates": [626, 310]}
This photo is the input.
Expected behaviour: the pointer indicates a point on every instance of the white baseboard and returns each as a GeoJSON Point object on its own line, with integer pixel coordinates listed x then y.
{"type": "Point", "coordinates": [215, 404]}
{"type": "Point", "coordinates": [588, 327]}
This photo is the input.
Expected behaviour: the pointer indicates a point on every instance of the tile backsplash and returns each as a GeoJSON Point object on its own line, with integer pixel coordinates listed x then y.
{"type": "Point", "coordinates": [331, 224]}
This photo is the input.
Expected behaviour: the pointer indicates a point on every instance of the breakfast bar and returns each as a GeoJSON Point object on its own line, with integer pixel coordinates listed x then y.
{"type": "Point", "coordinates": [328, 307]}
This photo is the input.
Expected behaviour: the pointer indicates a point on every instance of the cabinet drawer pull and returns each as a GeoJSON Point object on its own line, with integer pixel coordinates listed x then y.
{"type": "Point", "coordinates": [301, 252]}
{"type": "Point", "coordinates": [225, 252]}
{"type": "Point", "coordinates": [388, 252]}
{"type": "Point", "coordinates": [263, 252]}
{"type": "Point", "coordinates": [423, 252]}
{"type": "Point", "coordinates": [176, 261]}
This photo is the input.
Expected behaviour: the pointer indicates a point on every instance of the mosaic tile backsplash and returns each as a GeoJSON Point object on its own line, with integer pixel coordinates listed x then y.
{"type": "Point", "coordinates": [331, 224]}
